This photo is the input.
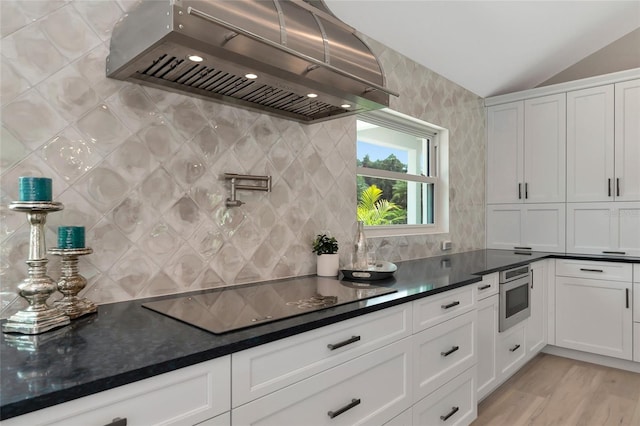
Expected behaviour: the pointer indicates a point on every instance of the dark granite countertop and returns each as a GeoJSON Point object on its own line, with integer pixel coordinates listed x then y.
{"type": "Point", "coordinates": [125, 342]}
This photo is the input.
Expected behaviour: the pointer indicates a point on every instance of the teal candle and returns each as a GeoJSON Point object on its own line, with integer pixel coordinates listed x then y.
{"type": "Point", "coordinates": [71, 237]}
{"type": "Point", "coordinates": [34, 188]}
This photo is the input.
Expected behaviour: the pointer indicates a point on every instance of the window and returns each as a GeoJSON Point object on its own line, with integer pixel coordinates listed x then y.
{"type": "Point", "coordinates": [402, 174]}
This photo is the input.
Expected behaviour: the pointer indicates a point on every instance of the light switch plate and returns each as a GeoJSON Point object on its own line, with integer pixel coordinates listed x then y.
{"type": "Point", "coordinates": [446, 245]}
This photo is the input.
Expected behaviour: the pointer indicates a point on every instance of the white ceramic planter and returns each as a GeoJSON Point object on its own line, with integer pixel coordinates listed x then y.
{"type": "Point", "coordinates": [327, 265]}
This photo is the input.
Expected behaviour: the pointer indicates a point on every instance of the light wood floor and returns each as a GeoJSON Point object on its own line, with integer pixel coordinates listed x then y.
{"type": "Point", "coordinates": [551, 390]}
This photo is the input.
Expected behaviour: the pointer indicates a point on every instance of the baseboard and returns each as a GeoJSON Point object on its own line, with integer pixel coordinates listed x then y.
{"type": "Point", "coordinates": [593, 358]}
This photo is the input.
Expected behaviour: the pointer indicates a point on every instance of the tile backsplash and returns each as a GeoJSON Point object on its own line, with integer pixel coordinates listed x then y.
{"type": "Point", "coordinates": [140, 168]}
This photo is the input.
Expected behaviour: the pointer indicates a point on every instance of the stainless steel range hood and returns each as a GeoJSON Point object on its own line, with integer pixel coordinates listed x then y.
{"type": "Point", "coordinates": [295, 48]}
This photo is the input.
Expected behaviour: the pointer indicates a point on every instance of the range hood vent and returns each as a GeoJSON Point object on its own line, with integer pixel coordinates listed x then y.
{"type": "Point", "coordinates": [267, 55]}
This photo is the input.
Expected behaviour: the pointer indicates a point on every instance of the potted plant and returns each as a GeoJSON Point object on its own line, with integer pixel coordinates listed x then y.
{"type": "Point", "coordinates": [327, 250]}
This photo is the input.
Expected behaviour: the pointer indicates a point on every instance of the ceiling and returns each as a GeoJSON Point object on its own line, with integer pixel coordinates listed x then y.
{"type": "Point", "coordinates": [494, 47]}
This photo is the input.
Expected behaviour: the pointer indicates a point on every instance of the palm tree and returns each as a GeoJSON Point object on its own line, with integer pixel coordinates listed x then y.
{"type": "Point", "coordinates": [374, 211]}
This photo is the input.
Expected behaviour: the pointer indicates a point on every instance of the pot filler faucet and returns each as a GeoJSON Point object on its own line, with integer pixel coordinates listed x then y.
{"type": "Point", "coordinates": [263, 184]}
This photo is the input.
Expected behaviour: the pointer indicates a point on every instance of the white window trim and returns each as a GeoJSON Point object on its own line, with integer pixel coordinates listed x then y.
{"type": "Point", "coordinates": [440, 138]}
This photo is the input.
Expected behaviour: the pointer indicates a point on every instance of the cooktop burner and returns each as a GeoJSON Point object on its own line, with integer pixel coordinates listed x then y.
{"type": "Point", "coordinates": [233, 308]}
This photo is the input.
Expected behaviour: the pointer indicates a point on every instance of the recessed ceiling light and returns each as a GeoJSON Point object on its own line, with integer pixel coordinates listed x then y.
{"type": "Point", "coordinates": [312, 95]}
{"type": "Point", "coordinates": [195, 58]}
{"type": "Point", "coordinates": [345, 106]}
{"type": "Point", "coordinates": [251, 76]}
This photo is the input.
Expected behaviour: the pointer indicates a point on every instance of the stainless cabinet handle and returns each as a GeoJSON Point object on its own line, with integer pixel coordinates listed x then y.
{"type": "Point", "coordinates": [450, 351]}
{"type": "Point", "coordinates": [347, 407]}
{"type": "Point", "coordinates": [515, 348]}
{"type": "Point", "coordinates": [450, 305]}
{"type": "Point", "coordinates": [626, 290]}
{"type": "Point", "coordinates": [613, 252]}
{"type": "Point", "coordinates": [532, 279]}
{"type": "Point", "coordinates": [484, 287]}
{"type": "Point", "coordinates": [449, 414]}
{"type": "Point", "coordinates": [334, 346]}
{"type": "Point", "coordinates": [118, 422]}
{"type": "Point", "coordinates": [519, 191]}
{"type": "Point", "coordinates": [591, 270]}
{"type": "Point", "coordinates": [526, 190]}
{"type": "Point", "coordinates": [617, 187]}
{"type": "Point", "coordinates": [609, 187]}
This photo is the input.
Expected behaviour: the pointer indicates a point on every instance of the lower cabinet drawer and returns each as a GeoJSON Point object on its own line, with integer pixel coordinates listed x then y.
{"type": "Point", "coordinates": [613, 271]}
{"type": "Point", "coordinates": [453, 404]}
{"type": "Point", "coordinates": [186, 396]}
{"type": "Point", "coordinates": [511, 350]}
{"type": "Point", "coordinates": [259, 371]}
{"type": "Point", "coordinates": [442, 352]}
{"type": "Point", "coordinates": [433, 310]}
{"type": "Point", "coordinates": [370, 389]}
{"type": "Point", "coordinates": [404, 419]}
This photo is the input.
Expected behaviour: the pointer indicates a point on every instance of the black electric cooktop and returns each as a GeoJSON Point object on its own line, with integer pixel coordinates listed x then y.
{"type": "Point", "coordinates": [233, 308]}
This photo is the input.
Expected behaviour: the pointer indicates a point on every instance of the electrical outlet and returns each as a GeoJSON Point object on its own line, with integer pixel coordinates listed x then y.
{"type": "Point", "coordinates": [446, 245]}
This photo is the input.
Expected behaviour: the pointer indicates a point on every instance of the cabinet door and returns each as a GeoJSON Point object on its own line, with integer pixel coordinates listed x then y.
{"type": "Point", "coordinates": [627, 141]}
{"type": "Point", "coordinates": [505, 145]}
{"type": "Point", "coordinates": [591, 227]}
{"type": "Point", "coordinates": [590, 144]}
{"type": "Point", "coordinates": [628, 229]}
{"type": "Point", "coordinates": [545, 149]}
{"type": "Point", "coordinates": [504, 224]}
{"type": "Point", "coordinates": [488, 311]}
{"type": "Point", "coordinates": [543, 227]}
{"type": "Point", "coordinates": [510, 351]}
{"type": "Point", "coordinates": [594, 316]}
{"type": "Point", "coordinates": [536, 326]}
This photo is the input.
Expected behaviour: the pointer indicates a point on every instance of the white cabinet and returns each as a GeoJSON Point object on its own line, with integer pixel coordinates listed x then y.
{"type": "Point", "coordinates": [511, 351]}
{"type": "Point", "coordinates": [452, 404]}
{"type": "Point", "coordinates": [604, 228]}
{"type": "Point", "coordinates": [488, 311]}
{"type": "Point", "coordinates": [183, 397]}
{"type": "Point", "coordinates": [603, 143]}
{"type": "Point", "coordinates": [526, 151]}
{"type": "Point", "coordinates": [627, 141]}
{"type": "Point", "coordinates": [593, 309]}
{"type": "Point", "coordinates": [505, 151]}
{"type": "Point", "coordinates": [267, 368]}
{"type": "Point", "coordinates": [433, 310]}
{"type": "Point", "coordinates": [536, 324]}
{"type": "Point", "coordinates": [442, 352]}
{"type": "Point", "coordinates": [590, 144]}
{"type": "Point", "coordinates": [370, 389]}
{"type": "Point", "coordinates": [636, 312]}
{"type": "Point", "coordinates": [539, 227]}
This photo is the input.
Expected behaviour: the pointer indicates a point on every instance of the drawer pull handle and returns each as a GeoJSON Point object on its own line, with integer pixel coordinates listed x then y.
{"type": "Point", "coordinates": [484, 287]}
{"type": "Point", "coordinates": [626, 290]}
{"type": "Point", "coordinates": [347, 407]}
{"type": "Point", "coordinates": [449, 414]}
{"type": "Point", "coordinates": [613, 252]}
{"type": "Point", "coordinates": [515, 348]}
{"type": "Point", "coordinates": [609, 187]}
{"type": "Point", "coordinates": [521, 248]}
{"type": "Point", "coordinates": [118, 422]}
{"type": "Point", "coordinates": [450, 351]}
{"type": "Point", "coordinates": [591, 270]}
{"type": "Point", "coordinates": [334, 346]}
{"type": "Point", "coordinates": [450, 305]}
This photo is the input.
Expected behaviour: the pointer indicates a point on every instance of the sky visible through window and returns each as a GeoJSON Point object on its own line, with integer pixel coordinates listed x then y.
{"type": "Point", "coordinates": [377, 152]}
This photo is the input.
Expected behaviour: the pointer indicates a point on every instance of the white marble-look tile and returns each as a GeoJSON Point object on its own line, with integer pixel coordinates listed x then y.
{"type": "Point", "coordinates": [70, 154]}
{"type": "Point", "coordinates": [103, 187]}
{"type": "Point", "coordinates": [160, 242]}
{"type": "Point", "coordinates": [103, 129]}
{"type": "Point", "coordinates": [12, 83]}
{"type": "Point", "coordinates": [108, 243]}
{"type": "Point", "coordinates": [11, 150]}
{"type": "Point", "coordinates": [69, 33]}
{"type": "Point", "coordinates": [92, 67]}
{"type": "Point", "coordinates": [133, 159]}
{"type": "Point", "coordinates": [101, 15]}
{"type": "Point", "coordinates": [20, 116]}
{"type": "Point", "coordinates": [69, 93]}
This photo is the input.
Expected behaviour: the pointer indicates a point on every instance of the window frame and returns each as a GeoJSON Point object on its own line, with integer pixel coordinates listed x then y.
{"type": "Point", "coordinates": [439, 169]}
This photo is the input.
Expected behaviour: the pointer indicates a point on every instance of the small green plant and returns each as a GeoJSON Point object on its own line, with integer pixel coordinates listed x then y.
{"type": "Point", "coordinates": [324, 244]}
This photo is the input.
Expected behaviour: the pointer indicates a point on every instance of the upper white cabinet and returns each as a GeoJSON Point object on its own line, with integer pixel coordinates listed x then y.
{"type": "Point", "coordinates": [603, 143]}
{"type": "Point", "coordinates": [526, 151]}
{"type": "Point", "coordinates": [627, 141]}
{"type": "Point", "coordinates": [539, 227]}
{"type": "Point", "coordinates": [590, 132]}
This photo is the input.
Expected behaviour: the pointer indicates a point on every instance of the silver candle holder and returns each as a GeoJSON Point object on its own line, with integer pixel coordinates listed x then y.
{"type": "Point", "coordinates": [38, 317]}
{"type": "Point", "coordinates": [71, 283]}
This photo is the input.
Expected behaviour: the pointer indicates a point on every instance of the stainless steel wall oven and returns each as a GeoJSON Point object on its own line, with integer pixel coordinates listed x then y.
{"type": "Point", "coordinates": [515, 296]}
